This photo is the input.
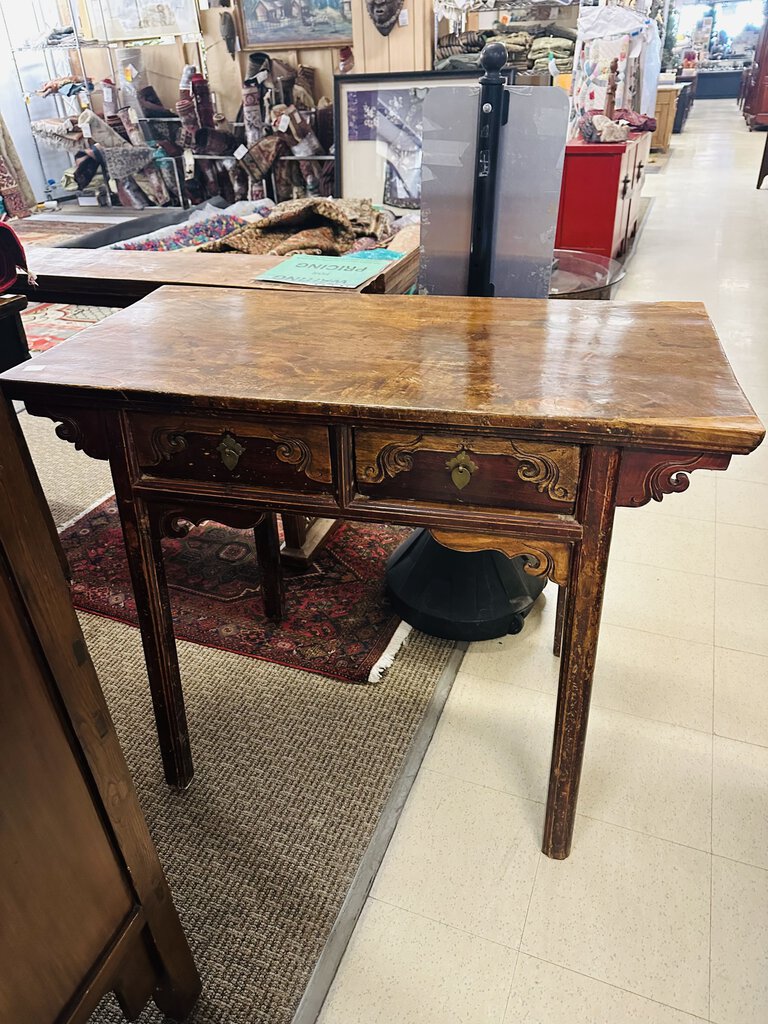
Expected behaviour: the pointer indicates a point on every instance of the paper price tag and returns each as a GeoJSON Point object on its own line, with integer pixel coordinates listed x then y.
{"type": "Point", "coordinates": [107, 94]}
{"type": "Point", "coordinates": [402, 18]}
{"type": "Point", "coordinates": [240, 152]}
{"type": "Point", "coordinates": [262, 76]}
{"type": "Point", "coordinates": [86, 130]}
{"type": "Point", "coordinates": [284, 123]}
{"type": "Point", "coordinates": [133, 117]}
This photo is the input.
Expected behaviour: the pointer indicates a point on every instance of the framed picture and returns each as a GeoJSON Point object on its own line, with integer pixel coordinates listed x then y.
{"type": "Point", "coordinates": [378, 133]}
{"type": "Point", "coordinates": [119, 20]}
{"type": "Point", "coordinates": [270, 24]}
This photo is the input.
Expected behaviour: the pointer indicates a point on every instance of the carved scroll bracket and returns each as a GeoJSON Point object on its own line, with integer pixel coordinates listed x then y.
{"type": "Point", "coordinates": [647, 476]}
{"type": "Point", "coordinates": [177, 520]}
{"type": "Point", "coordinates": [84, 428]}
{"type": "Point", "coordinates": [548, 558]}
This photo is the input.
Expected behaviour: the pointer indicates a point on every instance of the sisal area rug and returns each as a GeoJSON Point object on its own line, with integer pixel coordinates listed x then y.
{"type": "Point", "coordinates": [48, 323]}
{"type": "Point", "coordinates": [337, 620]}
{"type": "Point", "coordinates": [292, 771]}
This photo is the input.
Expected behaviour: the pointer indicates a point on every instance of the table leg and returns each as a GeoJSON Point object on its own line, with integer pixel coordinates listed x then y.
{"type": "Point", "coordinates": [562, 601]}
{"type": "Point", "coordinates": [150, 591]}
{"type": "Point", "coordinates": [268, 555]}
{"type": "Point", "coordinates": [589, 563]}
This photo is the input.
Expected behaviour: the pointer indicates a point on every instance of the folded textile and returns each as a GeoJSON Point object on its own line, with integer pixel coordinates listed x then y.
{"type": "Point", "coordinates": [58, 133]}
{"type": "Point", "coordinates": [637, 122]}
{"type": "Point", "coordinates": [312, 225]}
{"type": "Point", "coordinates": [96, 130]}
{"type": "Point", "coordinates": [599, 128]}
{"type": "Point", "coordinates": [195, 232]}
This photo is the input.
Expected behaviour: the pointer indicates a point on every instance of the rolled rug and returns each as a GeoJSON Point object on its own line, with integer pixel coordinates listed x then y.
{"type": "Point", "coordinates": [201, 94]}
{"type": "Point", "coordinates": [253, 117]}
{"type": "Point", "coordinates": [187, 112]}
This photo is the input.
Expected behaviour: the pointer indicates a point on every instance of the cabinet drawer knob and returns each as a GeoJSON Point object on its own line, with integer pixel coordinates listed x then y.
{"type": "Point", "coordinates": [230, 450]}
{"type": "Point", "coordinates": [462, 467]}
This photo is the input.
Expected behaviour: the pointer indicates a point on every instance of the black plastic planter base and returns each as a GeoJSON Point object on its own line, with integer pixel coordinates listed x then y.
{"type": "Point", "coordinates": [457, 595]}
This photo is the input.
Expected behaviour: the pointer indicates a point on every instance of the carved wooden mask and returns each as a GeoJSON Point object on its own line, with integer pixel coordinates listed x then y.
{"type": "Point", "coordinates": [384, 14]}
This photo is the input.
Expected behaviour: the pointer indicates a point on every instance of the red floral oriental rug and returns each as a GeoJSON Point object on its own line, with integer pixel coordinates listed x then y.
{"type": "Point", "coordinates": [337, 620]}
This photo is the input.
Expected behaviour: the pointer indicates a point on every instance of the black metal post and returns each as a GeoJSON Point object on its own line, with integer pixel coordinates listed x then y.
{"type": "Point", "coordinates": [494, 109]}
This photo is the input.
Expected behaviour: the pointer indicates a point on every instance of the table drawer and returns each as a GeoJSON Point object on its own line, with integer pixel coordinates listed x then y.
{"type": "Point", "coordinates": [223, 450]}
{"type": "Point", "coordinates": [467, 470]}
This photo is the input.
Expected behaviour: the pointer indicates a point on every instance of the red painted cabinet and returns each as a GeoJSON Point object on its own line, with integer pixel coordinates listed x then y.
{"type": "Point", "coordinates": [600, 195]}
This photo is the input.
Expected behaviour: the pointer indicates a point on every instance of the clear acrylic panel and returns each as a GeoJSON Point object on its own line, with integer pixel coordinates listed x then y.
{"type": "Point", "coordinates": [531, 157]}
{"type": "Point", "coordinates": [447, 176]}
{"type": "Point", "coordinates": [530, 172]}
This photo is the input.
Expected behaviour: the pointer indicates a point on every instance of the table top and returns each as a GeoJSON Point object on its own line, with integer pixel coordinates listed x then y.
{"type": "Point", "coordinates": [626, 373]}
{"type": "Point", "coordinates": [136, 273]}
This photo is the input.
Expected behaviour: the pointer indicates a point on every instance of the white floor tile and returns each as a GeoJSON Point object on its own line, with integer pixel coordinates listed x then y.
{"type": "Point", "coordinates": [648, 776]}
{"type": "Point", "coordinates": [654, 676]}
{"type": "Point", "coordinates": [465, 856]}
{"type": "Point", "coordinates": [628, 910]}
{"type": "Point", "coordinates": [546, 994]}
{"type": "Point", "coordinates": [742, 553]}
{"type": "Point", "coordinates": [741, 696]}
{"type": "Point", "coordinates": [740, 802]}
{"type": "Point", "coordinates": [739, 943]}
{"type": "Point", "coordinates": [669, 542]}
{"type": "Point", "coordinates": [752, 467]}
{"type": "Point", "coordinates": [742, 503]}
{"type": "Point", "coordinates": [663, 601]}
{"type": "Point", "coordinates": [495, 734]}
{"type": "Point", "coordinates": [404, 969]}
{"type": "Point", "coordinates": [741, 616]}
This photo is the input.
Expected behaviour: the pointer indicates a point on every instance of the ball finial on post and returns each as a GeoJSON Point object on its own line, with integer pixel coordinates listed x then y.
{"type": "Point", "coordinates": [493, 58]}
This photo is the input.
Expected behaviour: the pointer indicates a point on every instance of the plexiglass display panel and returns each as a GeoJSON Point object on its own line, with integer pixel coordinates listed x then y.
{"type": "Point", "coordinates": [531, 156]}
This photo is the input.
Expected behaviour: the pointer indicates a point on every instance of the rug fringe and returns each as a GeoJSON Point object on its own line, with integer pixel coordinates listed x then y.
{"type": "Point", "coordinates": [91, 507]}
{"type": "Point", "coordinates": [390, 653]}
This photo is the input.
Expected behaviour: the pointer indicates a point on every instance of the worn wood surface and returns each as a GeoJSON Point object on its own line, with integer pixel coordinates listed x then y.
{"type": "Point", "coordinates": [511, 425]}
{"type": "Point", "coordinates": [634, 373]}
{"type": "Point", "coordinates": [107, 277]}
{"type": "Point", "coordinates": [83, 901]}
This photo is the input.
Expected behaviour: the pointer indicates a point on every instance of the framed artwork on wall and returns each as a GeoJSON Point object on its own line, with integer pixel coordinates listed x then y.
{"type": "Point", "coordinates": [378, 133]}
{"type": "Point", "coordinates": [119, 20]}
{"type": "Point", "coordinates": [270, 24]}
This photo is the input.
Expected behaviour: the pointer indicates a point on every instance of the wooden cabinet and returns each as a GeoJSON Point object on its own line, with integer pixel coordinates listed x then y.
{"type": "Point", "coordinates": [600, 195]}
{"type": "Point", "coordinates": [666, 108]}
{"type": "Point", "coordinates": [84, 906]}
{"type": "Point", "coordinates": [756, 91]}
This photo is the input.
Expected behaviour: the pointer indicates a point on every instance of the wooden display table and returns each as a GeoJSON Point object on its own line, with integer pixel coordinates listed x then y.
{"type": "Point", "coordinates": [114, 277]}
{"type": "Point", "coordinates": [13, 341]}
{"type": "Point", "coordinates": [505, 424]}
{"type": "Point", "coordinates": [666, 108]}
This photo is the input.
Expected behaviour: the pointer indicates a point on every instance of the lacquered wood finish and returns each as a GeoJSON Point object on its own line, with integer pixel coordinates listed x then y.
{"type": "Point", "coordinates": [84, 905]}
{"type": "Point", "coordinates": [114, 277]}
{"type": "Point", "coordinates": [636, 373]}
{"type": "Point", "coordinates": [511, 425]}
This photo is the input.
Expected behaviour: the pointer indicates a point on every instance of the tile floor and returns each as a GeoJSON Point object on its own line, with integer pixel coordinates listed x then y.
{"type": "Point", "coordinates": [660, 915]}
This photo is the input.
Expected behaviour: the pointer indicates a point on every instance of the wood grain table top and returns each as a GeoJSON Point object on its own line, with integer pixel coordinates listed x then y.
{"type": "Point", "coordinates": [612, 372]}
{"type": "Point", "coordinates": [137, 273]}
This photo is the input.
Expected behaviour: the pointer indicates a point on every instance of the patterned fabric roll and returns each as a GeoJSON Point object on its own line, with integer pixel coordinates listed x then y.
{"type": "Point", "coordinates": [185, 108]}
{"type": "Point", "coordinates": [201, 94]}
{"type": "Point", "coordinates": [252, 114]}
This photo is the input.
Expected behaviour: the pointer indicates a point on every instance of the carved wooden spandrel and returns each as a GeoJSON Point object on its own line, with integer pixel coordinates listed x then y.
{"type": "Point", "coordinates": [177, 520]}
{"type": "Point", "coordinates": [543, 557]}
{"type": "Point", "coordinates": [83, 428]}
{"type": "Point", "coordinates": [647, 476]}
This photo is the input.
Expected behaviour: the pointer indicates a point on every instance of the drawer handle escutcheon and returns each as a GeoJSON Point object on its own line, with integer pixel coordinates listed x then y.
{"type": "Point", "coordinates": [462, 467]}
{"type": "Point", "coordinates": [230, 450]}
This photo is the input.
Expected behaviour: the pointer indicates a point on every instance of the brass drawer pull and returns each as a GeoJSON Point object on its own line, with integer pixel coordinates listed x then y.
{"type": "Point", "coordinates": [230, 450]}
{"type": "Point", "coordinates": [462, 467]}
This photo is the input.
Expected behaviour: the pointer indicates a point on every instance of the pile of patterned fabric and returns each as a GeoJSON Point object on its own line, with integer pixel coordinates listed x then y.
{"type": "Point", "coordinates": [16, 195]}
{"type": "Point", "coordinates": [546, 48]}
{"type": "Point", "coordinates": [318, 226]}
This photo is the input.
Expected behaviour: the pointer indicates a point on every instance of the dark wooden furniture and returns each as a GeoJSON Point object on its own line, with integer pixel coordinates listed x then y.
{"type": "Point", "coordinates": [600, 195]}
{"type": "Point", "coordinates": [503, 424]}
{"type": "Point", "coordinates": [762, 174]}
{"type": "Point", "coordinates": [684, 106]}
{"type": "Point", "coordinates": [718, 85]}
{"type": "Point", "coordinates": [115, 277]}
{"type": "Point", "coordinates": [13, 341]}
{"type": "Point", "coordinates": [755, 104]}
{"type": "Point", "coordinates": [84, 905]}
